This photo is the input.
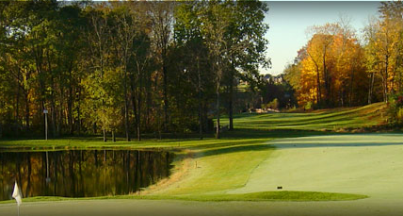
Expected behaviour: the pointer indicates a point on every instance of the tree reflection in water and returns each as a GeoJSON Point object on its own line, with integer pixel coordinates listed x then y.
{"type": "Point", "coordinates": [81, 173]}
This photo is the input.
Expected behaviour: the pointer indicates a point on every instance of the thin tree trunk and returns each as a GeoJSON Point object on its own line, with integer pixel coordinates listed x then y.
{"type": "Point", "coordinates": [386, 79]}
{"type": "Point", "coordinates": [70, 110]}
{"type": "Point", "coordinates": [200, 99]}
{"type": "Point", "coordinates": [138, 123]}
{"type": "Point", "coordinates": [52, 95]}
{"type": "Point", "coordinates": [218, 111]}
{"type": "Point", "coordinates": [351, 88]}
{"type": "Point", "coordinates": [79, 111]}
{"type": "Point", "coordinates": [27, 111]}
{"type": "Point", "coordinates": [318, 98]}
{"type": "Point", "coordinates": [17, 101]}
{"type": "Point", "coordinates": [371, 88]}
{"type": "Point", "coordinates": [326, 78]}
{"type": "Point", "coordinates": [135, 111]}
{"type": "Point", "coordinates": [126, 106]}
{"type": "Point", "coordinates": [134, 107]}
{"type": "Point", "coordinates": [164, 69]}
{"type": "Point", "coordinates": [230, 103]}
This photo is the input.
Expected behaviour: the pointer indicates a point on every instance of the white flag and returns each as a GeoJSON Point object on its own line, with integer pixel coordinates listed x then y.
{"type": "Point", "coordinates": [16, 194]}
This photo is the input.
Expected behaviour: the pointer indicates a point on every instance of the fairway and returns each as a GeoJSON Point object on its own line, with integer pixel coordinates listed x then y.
{"type": "Point", "coordinates": [338, 119]}
{"type": "Point", "coordinates": [362, 164]}
{"type": "Point", "coordinates": [368, 164]}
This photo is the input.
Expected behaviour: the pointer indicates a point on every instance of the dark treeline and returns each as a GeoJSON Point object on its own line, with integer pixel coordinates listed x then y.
{"type": "Point", "coordinates": [126, 68]}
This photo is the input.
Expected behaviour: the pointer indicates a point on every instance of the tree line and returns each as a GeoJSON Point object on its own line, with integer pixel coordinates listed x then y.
{"type": "Point", "coordinates": [336, 68]}
{"type": "Point", "coordinates": [126, 68]}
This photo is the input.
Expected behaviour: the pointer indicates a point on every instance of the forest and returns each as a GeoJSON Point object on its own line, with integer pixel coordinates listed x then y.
{"type": "Point", "coordinates": [134, 69]}
{"type": "Point", "coordinates": [128, 68]}
{"type": "Point", "coordinates": [336, 68]}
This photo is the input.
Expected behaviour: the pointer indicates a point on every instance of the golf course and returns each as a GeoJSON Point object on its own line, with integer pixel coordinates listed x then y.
{"type": "Point", "coordinates": [275, 168]}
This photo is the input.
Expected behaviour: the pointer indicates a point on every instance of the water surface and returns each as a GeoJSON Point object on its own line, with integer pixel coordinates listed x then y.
{"type": "Point", "coordinates": [81, 173]}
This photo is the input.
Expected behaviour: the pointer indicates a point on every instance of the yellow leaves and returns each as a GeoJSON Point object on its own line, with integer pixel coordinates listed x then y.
{"type": "Point", "coordinates": [333, 58]}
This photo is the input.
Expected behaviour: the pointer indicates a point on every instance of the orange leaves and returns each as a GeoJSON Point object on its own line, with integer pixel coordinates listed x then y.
{"type": "Point", "coordinates": [331, 67]}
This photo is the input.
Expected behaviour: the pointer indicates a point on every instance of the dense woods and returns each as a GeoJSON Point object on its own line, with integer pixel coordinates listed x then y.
{"type": "Point", "coordinates": [127, 68]}
{"type": "Point", "coordinates": [336, 68]}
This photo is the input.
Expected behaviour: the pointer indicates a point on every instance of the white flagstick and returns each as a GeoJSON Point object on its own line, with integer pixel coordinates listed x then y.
{"type": "Point", "coordinates": [17, 196]}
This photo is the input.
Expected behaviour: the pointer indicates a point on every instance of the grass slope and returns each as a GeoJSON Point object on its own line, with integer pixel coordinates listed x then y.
{"type": "Point", "coordinates": [217, 170]}
{"type": "Point", "coordinates": [330, 119]}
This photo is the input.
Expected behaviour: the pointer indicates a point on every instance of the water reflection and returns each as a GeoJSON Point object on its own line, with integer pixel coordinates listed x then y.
{"type": "Point", "coordinates": [78, 173]}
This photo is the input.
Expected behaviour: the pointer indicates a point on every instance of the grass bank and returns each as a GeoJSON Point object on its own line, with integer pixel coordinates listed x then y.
{"type": "Point", "coordinates": [209, 169]}
{"type": "Point", "coordinates": [254, 197]}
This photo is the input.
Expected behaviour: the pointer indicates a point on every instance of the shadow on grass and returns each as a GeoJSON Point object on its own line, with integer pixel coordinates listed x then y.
{"type": "Point", "coordinates": [277, 133]}
{"type": "Point", "coordinates": [233, 149]}
{"type": "Point", "coordinates": [334, 145]}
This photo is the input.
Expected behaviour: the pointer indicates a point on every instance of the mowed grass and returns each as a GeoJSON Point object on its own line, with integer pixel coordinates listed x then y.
{"type": "Point", "coordinates": [211, 169]}
{"type": "Point", "coordinates": [259, 196]}
{"type": "Point", "coordinates": [328, 119]}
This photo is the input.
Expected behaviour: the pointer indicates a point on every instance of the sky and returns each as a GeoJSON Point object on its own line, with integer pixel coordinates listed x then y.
{"type": "Point", "coordinates": [288, 22]}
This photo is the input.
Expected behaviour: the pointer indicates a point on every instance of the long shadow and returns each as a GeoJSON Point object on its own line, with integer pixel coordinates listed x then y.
{"type": "Point", "coordinates": [274, 133]}
{"type": "Point", "coordinates": [226, 144]}
{"type": "Point", "coordinates": [335, 145]}
{"type": "Point", "coordinates": [235, 144]}
{"type": "Point", "coordinates": [234, 149]}
{"type": "Point", "coordinates": [308, 121]}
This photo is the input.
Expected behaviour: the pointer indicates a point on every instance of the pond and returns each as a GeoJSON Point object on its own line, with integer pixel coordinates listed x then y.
{"type": "Point", "coordinates": [81, 173]}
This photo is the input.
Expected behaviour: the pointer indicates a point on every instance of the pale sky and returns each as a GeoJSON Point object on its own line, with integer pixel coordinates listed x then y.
{"type": "Point", "coordinates": [288, 22]}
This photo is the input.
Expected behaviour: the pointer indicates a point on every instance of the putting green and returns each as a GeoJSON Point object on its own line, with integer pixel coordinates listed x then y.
{"type": "Point", "coordinates": [360, 164]}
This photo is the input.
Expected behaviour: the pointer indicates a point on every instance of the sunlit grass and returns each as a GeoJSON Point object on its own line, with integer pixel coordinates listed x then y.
{"type": "Point", "coordinates": [219, 166]}
{"type": "Point", "coordinates": [332, 119]}
{"type": "Point", "coordinates": [253, 197]}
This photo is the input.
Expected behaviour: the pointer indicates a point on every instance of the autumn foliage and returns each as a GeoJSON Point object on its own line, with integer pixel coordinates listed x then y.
{"type": "Point", "coordinates": [336, 69]}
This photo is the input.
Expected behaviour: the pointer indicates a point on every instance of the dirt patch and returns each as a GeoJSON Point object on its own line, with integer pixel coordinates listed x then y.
{"type": "Point", "coordinates": [181, 170]}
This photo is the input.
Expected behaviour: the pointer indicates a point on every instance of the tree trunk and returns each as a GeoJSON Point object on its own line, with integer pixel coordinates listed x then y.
{"type": "Point", "coordinates": [350, 99]}
{"type": "Point", "coordinates": [218, 111]}
{"type": "Point", "coordinates": [79, 111]}
{"type": "Point", "coordinates": [134, 107]}
{"type": "Point", "coordinates": [26, 111]}
{"type": "Point", "coordinates": [326, 79]}
{"type": "Point", "coordinates": [104, 134]}
{"type": "Point", "coordinates": [230, 103]}
{"type": "Point", "coordinates": [139, 98]}
{"type": "Point", "coordinates": [318, 97]}
{"type": "Point", "coordinates": [135, 111]}
{"type": "Point", "coordinates": [138, 120]}
{"type": "Point", "coordinates": [126, 107]}
{"type": "Point", "coordinates": [17, 103]}
{"type": "Point", "coordinates": [94, 127]}
{"type": "Point", "coordinates": [53, 107]}
{"type": "Point", "coordinates": [386, 79]}
{"type": "Point", "coordinates": [200, 100]}
{"type": "Point", "coordinates": [164, 69]}
{"type": "Point", "coordinates": [52, 95]}
{"type": "Point", "coordinates": [70, 110]}
{"type": "Point", "coordinates": [371, 87]}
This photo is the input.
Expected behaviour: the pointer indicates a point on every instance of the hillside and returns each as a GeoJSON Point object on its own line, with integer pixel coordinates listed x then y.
{"type": "Point", "coordinates": [338, 119]}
